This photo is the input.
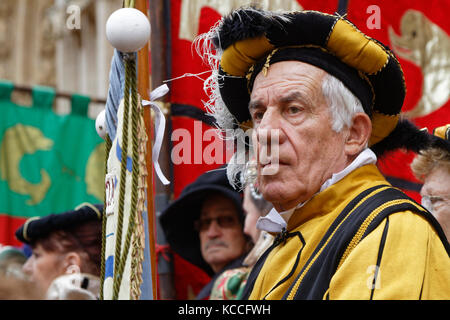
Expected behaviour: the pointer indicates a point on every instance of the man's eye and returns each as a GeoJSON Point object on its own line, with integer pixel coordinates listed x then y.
{"type": "Point", "coordinates": [258, 115]}
{"type": "Point", "coordinates": [294, 110]}
{"type": "Point", "coordinates": [435, 200]}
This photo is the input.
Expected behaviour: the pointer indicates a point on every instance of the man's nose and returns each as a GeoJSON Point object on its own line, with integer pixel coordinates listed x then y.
{"type": "Point", "coordinates": [267, 138]}
{"type": "Point", "coordinates": [270, 127]}
{"type": "Point", "coordinates": [214, 230]}
{"type": "Point", "coordinates": [269, 119]}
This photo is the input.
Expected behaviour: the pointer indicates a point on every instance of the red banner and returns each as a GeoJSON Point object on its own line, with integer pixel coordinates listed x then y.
{"type": "Point", "coordinates": [418, 32]}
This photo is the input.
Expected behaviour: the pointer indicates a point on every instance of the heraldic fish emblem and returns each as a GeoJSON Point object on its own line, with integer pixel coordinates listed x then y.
{"type": "Point", "coordinates": [19, 141]}
{"type": "Point", "coordinates": [426, 45]}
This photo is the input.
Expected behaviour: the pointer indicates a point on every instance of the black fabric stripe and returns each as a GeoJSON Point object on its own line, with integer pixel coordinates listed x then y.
{"type": "Point", "coordinates": [297, 259]}
{"type": "Point", "coordinates": [404, 184]}
{"type": "Point", "coordinates": [294, 32]}
{"type": "Point", "coordinates": [380, 254]}
{"type": "Point", "coordinates": [316, 280]}
{"type": "Point", "coordinates": [422, 211]}
{"type": "Point", "coordinates": [334, 225]}
{"type": "Point", "coordinates": [385, 83]}
{"type": "Point", "coordinates": [184, 110]}
{"type": "Point", "coordinates": [404, 206]}
{"type": "Point", "coordinates": [342, 7]}
{"type": "Point", "coordinates": [343, 214]}
{"type": "Point", "coordinates": [248, 288]}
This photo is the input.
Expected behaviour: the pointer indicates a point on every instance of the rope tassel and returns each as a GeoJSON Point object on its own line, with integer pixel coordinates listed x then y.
{"type": "Point", "coordinates": [135, 222]}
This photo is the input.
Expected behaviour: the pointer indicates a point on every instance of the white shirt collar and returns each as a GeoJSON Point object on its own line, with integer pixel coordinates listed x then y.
{"type": "Point", "coordinates": [276, 221]}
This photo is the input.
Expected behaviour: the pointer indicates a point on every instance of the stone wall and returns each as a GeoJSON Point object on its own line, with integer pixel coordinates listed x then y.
{"type": "Point", "coordinates": [57, 43]}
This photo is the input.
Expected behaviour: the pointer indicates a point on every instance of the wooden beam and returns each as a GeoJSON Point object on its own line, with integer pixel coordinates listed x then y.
{"type": "Point", "coordinates": [160, 36]}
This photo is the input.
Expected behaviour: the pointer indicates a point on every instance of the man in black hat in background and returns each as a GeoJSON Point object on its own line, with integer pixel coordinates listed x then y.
{"type": "Point", "coordinates": [205, 226]}
{"type": "Point", "coordinates": [330, 98]}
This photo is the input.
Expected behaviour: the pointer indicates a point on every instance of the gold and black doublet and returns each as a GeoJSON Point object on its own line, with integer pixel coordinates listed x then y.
{"type": "Point", "coordinates": [358, 239]}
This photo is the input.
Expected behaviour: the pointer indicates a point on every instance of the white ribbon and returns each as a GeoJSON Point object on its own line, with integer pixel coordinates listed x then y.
{"type": "Point", "coordinates": [160, 126]}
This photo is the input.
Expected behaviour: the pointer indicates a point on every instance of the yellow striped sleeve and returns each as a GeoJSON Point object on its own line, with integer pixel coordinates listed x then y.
{"type": "Point", "coordinates": [414, 264]}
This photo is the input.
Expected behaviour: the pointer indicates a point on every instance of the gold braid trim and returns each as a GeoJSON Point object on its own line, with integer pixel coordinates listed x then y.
{"type": "Point", "coordinates": [137, 255]}
{"type": "Point", "coordinates": [108, 144]}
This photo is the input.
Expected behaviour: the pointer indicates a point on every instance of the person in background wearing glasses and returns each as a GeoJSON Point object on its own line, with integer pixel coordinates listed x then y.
{"type": "Point", "coordinates": [432, 167]}
{"type": "Point", "coordinates": [231, 283]}
{"type": "Point", "coordinates": [205, 226]}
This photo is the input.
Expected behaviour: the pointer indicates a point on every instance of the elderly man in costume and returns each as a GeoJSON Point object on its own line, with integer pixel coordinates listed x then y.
{"type": "Point", "coordinates": [331, 97]}
{"type": "Point", "coordinates": [205, 226]}
{"type": "Point", "coordinates": [432, 167]}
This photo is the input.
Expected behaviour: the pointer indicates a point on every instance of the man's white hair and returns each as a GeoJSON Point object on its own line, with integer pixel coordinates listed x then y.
{"type": "Point", "coordinates": [342, 102]}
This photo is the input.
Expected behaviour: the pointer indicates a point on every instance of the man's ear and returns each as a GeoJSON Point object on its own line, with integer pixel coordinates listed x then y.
{"type": "Point", "coordinates": [72, 262]}
{"type": "Point", "coordinates": [358, 135]}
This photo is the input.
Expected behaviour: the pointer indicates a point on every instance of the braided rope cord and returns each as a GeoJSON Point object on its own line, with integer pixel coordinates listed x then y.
{"type": "Point", "coordinates": [123, 168]}
{"type": "Point", "coordinates": [133, 217]}
{"type": "Point", "coordinates": [129, 3]}
{"type": "Point", "coordinates": [108, 144]}
{"type": "Point", "coordinates": [138, 245]}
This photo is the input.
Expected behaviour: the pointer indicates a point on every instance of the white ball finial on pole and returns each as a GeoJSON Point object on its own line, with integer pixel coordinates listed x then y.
{"type": "Point", "coordinates": [128, 30]}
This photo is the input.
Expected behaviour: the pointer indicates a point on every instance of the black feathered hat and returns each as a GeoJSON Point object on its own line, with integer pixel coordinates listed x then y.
{"type": "Point", "coordinates": [249, 40]}
{"type": "Point", "coordinates": [39, 227]}
{"type": "Point", "coordinates": [177, 220]}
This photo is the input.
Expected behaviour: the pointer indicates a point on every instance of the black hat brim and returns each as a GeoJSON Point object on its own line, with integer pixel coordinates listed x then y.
{"type": "Point", "coordinates": [40, 227]}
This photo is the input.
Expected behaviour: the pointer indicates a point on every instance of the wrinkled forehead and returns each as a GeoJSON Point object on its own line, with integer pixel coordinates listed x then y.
{"type": "Point", "coordinates": [291, 77]}
{"type": "Point", "coordinates": [290, 69]}
{"type": "Point", "coordinates": [437, 182]}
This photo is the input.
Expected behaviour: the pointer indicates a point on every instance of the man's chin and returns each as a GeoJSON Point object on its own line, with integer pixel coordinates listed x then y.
{"type": "Point", "coordinates": [279, 195]}
{"type": "Point", "coordinates": [273, 191]}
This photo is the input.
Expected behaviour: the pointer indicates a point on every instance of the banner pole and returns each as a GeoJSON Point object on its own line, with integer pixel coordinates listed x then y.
{"type": "Point", "coordinates": [144, 91]}
{"type": "Point", "coordinates": [160, 63]}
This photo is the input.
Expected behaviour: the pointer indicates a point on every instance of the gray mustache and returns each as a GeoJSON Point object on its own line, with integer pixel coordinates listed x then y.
{"type": "Point", "coordinates": [215, 242]}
